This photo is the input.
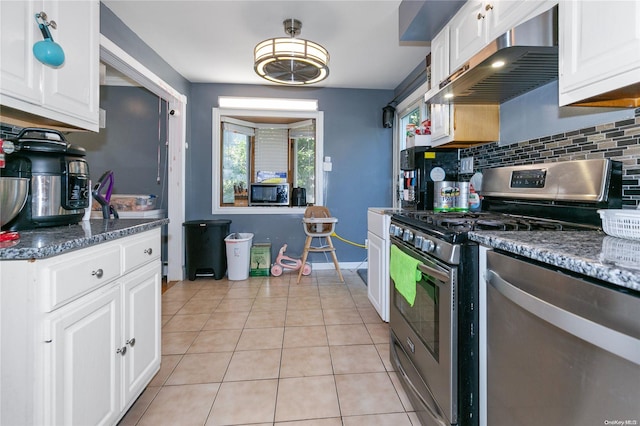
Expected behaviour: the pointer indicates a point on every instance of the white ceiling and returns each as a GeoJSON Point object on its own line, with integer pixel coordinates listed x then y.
{"type": "Point", "coordinates": [212, 41]}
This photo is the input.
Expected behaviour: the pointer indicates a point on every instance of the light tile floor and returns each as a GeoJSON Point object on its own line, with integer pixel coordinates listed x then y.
{"type": "Point", "coordinates": [268, 351]}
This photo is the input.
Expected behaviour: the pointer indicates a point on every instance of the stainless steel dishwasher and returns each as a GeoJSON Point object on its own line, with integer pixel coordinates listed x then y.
{"type": "Point", "coordinates": [560, 349]}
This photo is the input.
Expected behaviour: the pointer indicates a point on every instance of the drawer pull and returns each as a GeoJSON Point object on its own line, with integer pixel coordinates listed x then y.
{"type": "Point", "coordinates": [148, 251]}
{"type": "Point", "coordinates": [131, 342]}
{"type": "Point", "coordinates": [98, 274]}
{"type": "Point", "coordinates": [122, 351]}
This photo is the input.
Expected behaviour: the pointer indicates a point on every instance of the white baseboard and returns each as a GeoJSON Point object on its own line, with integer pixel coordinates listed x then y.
{"type": "Point", "coordinates": [343, 265]}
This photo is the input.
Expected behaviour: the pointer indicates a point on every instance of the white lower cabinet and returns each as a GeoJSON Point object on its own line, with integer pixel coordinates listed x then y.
{"type": "Point", "coordinates": [78, 349]}
{"type": "Point", "coordinates": [378, 260]}
{"type": "Point", "coordinates": [376, 279]}
{"type": "Point", "coordinates": [141, 294]}
{"type": "Point", "coordinates": [84, 369]}
{"type": "Point", "coordinates": [104, 349]}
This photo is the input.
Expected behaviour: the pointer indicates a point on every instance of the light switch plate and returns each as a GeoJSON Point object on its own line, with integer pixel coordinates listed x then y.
{"type": "Point", "coordinates": [466, 165]}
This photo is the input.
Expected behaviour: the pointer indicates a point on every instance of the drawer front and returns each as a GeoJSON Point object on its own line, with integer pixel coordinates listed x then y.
{"type": "Point", "coordinates": [77, 275]}
{"type": "Point", "coordinates": [140, 250]}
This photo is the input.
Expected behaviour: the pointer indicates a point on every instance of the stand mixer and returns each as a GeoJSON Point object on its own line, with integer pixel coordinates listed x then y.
{"type": "Point", "coordinates": [13, 196]}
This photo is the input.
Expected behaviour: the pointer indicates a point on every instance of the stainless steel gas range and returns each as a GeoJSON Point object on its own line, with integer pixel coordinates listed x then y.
{"type": "Point", "coordinates": [434, 306]}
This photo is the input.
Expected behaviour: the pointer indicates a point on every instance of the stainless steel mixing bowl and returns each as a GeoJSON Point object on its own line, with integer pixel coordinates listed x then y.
{"type": "Point", "coordinates": [13, 195]}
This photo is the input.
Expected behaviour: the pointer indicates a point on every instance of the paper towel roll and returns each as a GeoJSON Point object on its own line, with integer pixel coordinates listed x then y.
{"type": "Point", "coordinates": [87, 211]}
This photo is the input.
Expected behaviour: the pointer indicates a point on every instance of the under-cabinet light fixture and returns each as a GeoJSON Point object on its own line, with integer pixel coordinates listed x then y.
{"type": "Point", "coordinates": [280, 104]}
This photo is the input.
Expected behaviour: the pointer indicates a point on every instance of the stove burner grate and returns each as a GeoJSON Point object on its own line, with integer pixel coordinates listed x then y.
{"type": "Point", "coordinates": [462, 222]}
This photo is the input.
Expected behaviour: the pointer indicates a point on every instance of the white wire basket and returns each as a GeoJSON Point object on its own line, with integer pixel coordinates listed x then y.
{"type": "Point", "coordinates": [621, 252]}
{"type": "Point", "coordinates": [621, 223]}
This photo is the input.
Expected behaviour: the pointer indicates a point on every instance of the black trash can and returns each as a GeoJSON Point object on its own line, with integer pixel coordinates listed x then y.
{"type": "Point", "coordinates": [205, 248]}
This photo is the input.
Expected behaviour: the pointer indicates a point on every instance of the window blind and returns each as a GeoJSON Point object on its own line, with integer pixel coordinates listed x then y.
{"type": "Point", "coordinates": [271, 150]}
{"type": "Point", "coordinates": [236, 128]}
{"type": "Point", "coordinates": [303, 129]}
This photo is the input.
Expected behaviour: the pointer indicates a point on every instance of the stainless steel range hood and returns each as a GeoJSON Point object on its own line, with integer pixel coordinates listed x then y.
{"type": "Point", "coordinates": [530, 55]}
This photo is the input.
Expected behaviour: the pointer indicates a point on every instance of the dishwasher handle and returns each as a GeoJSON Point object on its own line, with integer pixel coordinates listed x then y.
{"type": "Point", "coordinates": [605, 338]}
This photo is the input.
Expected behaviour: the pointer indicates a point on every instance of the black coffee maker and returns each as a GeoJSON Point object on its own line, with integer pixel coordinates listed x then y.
{"type": "Point", "coordinates": [299, 197]}
{"type": "Point", "coordinates": [416, 164]}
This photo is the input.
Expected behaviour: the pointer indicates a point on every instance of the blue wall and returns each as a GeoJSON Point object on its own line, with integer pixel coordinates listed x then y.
{"type": "Point", "coordinates": [129, 143]}
{"type": "Point", "coordinates": [359, 147]}
{"type": "Point", "coordinates": [354, 138]}
{"type": "Point", "coordinates": [115, 30]}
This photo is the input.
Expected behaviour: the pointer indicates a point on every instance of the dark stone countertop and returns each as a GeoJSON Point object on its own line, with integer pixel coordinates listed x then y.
{"type": "Point", "coordinates": [46, 242]}
{"type": "Point", "coordinates": [592, 253]}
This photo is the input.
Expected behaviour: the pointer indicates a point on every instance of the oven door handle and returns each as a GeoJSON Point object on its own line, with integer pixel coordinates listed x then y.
{"type": "Point", "coordinates": [605, 338]}
{"type": "Point", "coordinates": [440, 275]}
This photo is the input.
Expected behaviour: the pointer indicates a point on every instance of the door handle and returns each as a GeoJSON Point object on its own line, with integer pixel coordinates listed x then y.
{"type": "Point", "coordinates": [605, 338]}
{"type": "Point", "coordinates": [425, 269]}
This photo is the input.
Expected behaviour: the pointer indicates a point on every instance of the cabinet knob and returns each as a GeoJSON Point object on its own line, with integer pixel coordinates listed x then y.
{"type": "Point", "coordinates": [488, 7]}
{"type": "Point", "coordinates": [148, 251]}
{"type": "Point", "coordinates": [98, 273]}
{"type": "Point", "coordinates": [131, 342]}
{"type": "Point", "coordinates": [122, 351]}
{"type": "Point", "coordinates": [480, 16]}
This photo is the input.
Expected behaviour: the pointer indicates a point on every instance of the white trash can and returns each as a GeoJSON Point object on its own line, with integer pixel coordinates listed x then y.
{"type": "Point", "coordinates": [238, 247]}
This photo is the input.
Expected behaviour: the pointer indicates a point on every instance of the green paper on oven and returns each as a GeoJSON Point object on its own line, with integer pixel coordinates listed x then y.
{"type": "Point", "coordinates": [404, 273]}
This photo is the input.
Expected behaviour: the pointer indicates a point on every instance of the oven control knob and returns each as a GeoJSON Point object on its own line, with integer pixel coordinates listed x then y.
{"type": "Point", "coordinates": [407, 236]}
{"type": "Point", "coordinates": [417, 241]}
{"type": "Point", "coordinates": [428, 246]}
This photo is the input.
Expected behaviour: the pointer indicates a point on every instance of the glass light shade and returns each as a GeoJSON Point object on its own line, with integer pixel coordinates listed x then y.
{"type": "Point", "coordinates": [291, 61]}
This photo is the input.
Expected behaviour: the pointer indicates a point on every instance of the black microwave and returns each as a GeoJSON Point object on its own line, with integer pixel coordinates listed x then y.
{"type": "Point", "coordinates": [269, 194]}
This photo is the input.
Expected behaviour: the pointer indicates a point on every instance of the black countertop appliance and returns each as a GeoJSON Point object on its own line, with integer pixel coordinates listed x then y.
{"type": "Point", "coordinates": [58, 179]}
{"type": "Point", "coordinates": [417, 164]}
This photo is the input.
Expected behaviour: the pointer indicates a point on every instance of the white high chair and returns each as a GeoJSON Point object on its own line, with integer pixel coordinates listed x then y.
{"type": "Point", "coordinates": [317, 222]}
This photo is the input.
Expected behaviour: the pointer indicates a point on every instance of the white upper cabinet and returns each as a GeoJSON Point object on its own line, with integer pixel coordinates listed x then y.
{"type": "Point", "coordinates": [502, 15]}
{"type": "Point", "coordinates": [599, 57]}
{"type": "Point", "coordinates": [18, 76]}
{"type": "Point", "coordinates": [468, 33]}
{"type": "Point", "coordinates": [67, 95]}
{"type": "Point", "coordinates": [439, 58]}
{"type": "Point", "coordinates": [479, 22]}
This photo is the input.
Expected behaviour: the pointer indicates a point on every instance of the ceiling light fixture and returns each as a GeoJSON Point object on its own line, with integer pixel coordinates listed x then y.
{"type": "Point", "coordinates": [291, 60]}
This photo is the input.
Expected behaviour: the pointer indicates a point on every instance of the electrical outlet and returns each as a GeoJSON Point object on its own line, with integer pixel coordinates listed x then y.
{"type": "Point", "coordinates": [466, 165]}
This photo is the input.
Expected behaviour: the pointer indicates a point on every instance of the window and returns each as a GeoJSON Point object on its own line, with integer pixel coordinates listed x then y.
{"type": "Point", "coordinates": [257, 146]}
{"type": "Point", "coordinates": [235, 165]}
{"type": "Point", "coordinates": [412, 117]}
{"type": "Point", "coordinates": [303, 153]}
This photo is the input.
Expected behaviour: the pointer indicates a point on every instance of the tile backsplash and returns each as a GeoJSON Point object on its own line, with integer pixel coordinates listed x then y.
{"type": "Point", "coordinates": [618, 141]}
{"type": "Point", "coordinates": [9, 130]}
